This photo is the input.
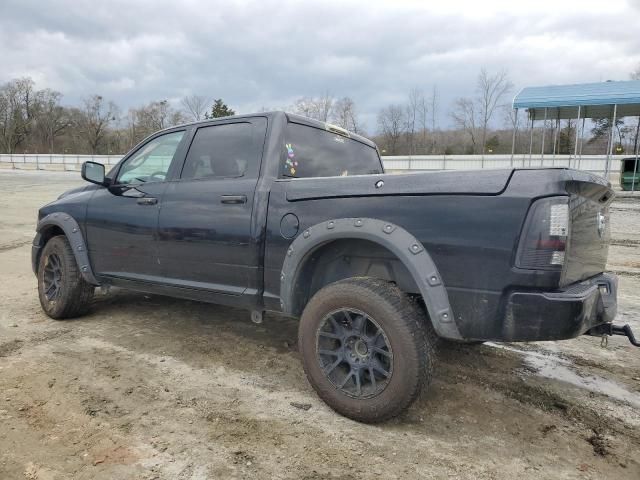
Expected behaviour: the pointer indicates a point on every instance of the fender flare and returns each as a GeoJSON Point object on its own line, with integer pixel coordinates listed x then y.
{"type": "Point", "coordinates": [73, 233]}
{"type": "Point", "coordinates": [404, 245]}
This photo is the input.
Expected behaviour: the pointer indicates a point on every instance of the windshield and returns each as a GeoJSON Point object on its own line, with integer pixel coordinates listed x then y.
{"type": "Point", "coordinates": [313, 152]}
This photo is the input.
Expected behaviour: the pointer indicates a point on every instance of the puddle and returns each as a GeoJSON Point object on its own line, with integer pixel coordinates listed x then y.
{"type": "Point", "coordinates": [556, 368]}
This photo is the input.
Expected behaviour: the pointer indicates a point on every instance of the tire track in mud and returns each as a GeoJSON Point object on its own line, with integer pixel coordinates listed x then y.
{"type": "Point", "coordinates": [233, 410]}
{"type": "Point", "coordinates": [12, 346]}
{"type": "Point", "coordinates": [539, 392]}
{"type": "Point", "coordinates": [13, 245]}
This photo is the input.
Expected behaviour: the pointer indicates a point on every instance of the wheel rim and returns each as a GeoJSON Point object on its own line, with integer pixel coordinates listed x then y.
{"type": "Point", "coordinates": [52, 277]}
{"type": "Point", "coordinates": [354, 353]}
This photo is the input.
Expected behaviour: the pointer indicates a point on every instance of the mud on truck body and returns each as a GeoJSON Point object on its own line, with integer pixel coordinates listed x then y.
{"type": "Point", "coordinates": [279, 213]}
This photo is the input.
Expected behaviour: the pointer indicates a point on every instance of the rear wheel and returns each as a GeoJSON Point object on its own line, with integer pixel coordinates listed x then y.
{"type": "Point", "coordinates": [62, 291]}
{"type": "Point", "coordinates": [367, 349]}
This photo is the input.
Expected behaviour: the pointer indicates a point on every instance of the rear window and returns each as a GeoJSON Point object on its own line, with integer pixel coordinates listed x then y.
{"type": "Point", "coordinates": [313, 152]}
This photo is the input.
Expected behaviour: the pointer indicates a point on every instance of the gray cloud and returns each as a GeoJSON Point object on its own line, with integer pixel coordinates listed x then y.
{"type": "Point", "coordinates": [267, 53]}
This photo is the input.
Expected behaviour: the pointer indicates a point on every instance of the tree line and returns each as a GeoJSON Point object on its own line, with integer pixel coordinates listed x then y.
{"type": "Point", "coordinates": [36, 121]}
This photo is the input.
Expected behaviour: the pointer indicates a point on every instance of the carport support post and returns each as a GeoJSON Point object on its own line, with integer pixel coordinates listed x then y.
{"type": "Point", "coordinates": [544, 130]}
{"type": "Point", "coordinates": [611, 133]}
{"type": "Point", "coordinates": [513, 140]}
{"type": "Point", "coordinates": [581, 143]}
{"type": "Point", "coordinates": [635, 164]}
{"type": "Point", "coordinates": [532, 113]}
{"type": "Point", "coordinates": [555, 139]}
{"type": "Point", "coordinates": [575, 150]}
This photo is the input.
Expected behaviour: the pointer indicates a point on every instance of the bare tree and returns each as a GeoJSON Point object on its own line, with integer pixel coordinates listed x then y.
{"type": "Point", "coordinates": [515, 123]}
{"type": "Point", "coordinates": [93, 120]}
{"type": "Point", "coordinates": [154, 116]}
{"type": "Point", "coordinates": [52, 118]}
{"type": "Point", "coordinates": [320, 108]}
{"type": "Point", "coordinates": [423, 113]}
{"type": "Point", "coordinates": [473, 115]}
{"type": "Point", "coordinates": [391, 121]}
{"type": "Point", "coordinates": [195, 106]}
{"type": "Point", "coordinates": [491, 91]}
{"type": "Point", "coordinates": [411, 118]}
{"type": "Point", "coordinates": [325, 107]}
{"type": "Point", "coordinates": [465, 117]}
{"type": "Point", "coordinates": [635, 75]}
{"type": "Point", "coordinates": [304, 106]}
{"type": "Point", "coordinates": [434, 111]}
{"type": "Point", "coordinates": [344, 115]}
{"type": "Point", "coordinates": [18, 105]}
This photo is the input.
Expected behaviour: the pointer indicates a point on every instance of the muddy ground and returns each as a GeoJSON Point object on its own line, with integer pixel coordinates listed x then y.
{"type": "Point", "coordinates": [147, 387]}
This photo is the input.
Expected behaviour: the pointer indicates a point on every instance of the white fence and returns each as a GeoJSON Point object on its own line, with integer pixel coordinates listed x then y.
{"type": "Point", "coordinates": [55, 161]}
{"type": "Point", "coordinates": [592, 163]}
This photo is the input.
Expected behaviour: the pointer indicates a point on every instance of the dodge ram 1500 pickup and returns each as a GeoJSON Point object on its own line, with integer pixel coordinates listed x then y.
{"type": "Point", "coordinates": [276, 212]}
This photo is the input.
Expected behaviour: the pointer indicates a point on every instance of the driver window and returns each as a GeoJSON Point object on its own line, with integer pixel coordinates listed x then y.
{"type": "Point", "coordinates": [151, 163]}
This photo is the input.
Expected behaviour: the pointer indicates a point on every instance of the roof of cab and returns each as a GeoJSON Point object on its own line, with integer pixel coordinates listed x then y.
{"type": "Point", "coordinates": [292, 117]}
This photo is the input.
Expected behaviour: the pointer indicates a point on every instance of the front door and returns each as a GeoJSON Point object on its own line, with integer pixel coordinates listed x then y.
{"type": "Point", "coordinates": [122, 220]}
{"type": "Point", "coordinates": [205, 231]}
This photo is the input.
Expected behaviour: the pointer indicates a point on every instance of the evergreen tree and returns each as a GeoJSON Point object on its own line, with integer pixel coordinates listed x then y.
{"type": "Point", "coordinates": [220, 109]}
{"type": "Point", "coordinates": [492, 144]}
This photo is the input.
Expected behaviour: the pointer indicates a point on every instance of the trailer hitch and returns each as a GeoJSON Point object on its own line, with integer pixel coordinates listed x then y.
{"type": "Point", "coordinates": [611, 329]}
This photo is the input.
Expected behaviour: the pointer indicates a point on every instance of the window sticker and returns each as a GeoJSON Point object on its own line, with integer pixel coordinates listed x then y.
{"type": "Point", "coordinates": [290, 163]}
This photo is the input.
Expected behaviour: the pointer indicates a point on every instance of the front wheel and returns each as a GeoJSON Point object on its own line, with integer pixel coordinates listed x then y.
{"type": "Point", "coordinates": [62, 290]}
{"type": "Point", "coordinates": [367, 349]}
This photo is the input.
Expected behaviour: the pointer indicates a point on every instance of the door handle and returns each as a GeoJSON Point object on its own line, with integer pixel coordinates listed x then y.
{"type": "Point", "coordinates": [233, 199]}
{"type": "Point", "coordinates": [147, 201]}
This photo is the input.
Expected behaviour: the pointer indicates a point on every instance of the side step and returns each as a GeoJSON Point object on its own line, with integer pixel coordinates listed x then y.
{"type": "Point", "coordinates": [611, 329]}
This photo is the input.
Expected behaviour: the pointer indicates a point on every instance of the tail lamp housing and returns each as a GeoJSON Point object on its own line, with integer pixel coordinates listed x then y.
{"type": "Point", "coordinates": [544, 236]}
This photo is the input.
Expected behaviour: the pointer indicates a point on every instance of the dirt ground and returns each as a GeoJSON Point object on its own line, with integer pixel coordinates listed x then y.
{"type": "Point", "coordinates": [148, 387]}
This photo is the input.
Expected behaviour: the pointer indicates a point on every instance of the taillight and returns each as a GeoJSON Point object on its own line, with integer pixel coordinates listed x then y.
{"type": "Point", "coordinates": [544, 236]}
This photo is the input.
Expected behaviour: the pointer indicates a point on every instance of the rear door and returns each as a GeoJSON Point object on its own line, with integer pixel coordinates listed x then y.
{"type": "Point", "coordinates": [206, 235]}
{"type": "Point", "coordinates": [122, 220]}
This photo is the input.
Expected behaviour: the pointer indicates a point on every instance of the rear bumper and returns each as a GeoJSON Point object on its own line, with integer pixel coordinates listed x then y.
{"type": "Point", "coordinates": [559, 315]}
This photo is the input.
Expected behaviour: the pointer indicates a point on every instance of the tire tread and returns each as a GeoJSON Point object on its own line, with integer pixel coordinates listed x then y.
{"type": "Point", "coordinates": [77, 294]}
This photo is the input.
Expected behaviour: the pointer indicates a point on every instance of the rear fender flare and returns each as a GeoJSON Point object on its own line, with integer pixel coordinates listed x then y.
{"type": "Point", "coordinates": [73, 233]}
{"type": "Point", "coordinates": [397, 240]}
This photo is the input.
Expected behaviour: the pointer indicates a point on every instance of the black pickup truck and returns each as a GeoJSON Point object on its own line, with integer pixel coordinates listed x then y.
{"type": "Point", "coordinates": [276, 212]}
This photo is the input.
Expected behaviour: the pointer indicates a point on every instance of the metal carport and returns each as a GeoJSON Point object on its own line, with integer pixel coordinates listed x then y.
{"type": "Point", "coordinates": [610, 99]}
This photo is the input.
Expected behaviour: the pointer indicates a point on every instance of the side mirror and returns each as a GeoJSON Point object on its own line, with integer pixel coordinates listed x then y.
{"type": "Point", "coordinates": [93, 172]}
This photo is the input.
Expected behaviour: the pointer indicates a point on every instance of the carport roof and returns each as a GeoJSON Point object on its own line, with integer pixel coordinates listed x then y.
{"type": "Point", "coordinates": [595, 100]}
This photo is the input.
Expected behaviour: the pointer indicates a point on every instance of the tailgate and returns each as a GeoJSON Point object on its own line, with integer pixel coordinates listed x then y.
{"type": "Point", "coordinates": [588, 243]}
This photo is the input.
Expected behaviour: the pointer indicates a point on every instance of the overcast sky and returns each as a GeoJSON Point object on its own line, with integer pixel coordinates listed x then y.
{"type": "Point", "coordinates": [267, 53]}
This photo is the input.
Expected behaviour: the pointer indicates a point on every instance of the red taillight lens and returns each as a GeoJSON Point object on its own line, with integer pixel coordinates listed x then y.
{"type": "Point", "coordinates": [544, 236]}
{"type": "Point", "coordinates": [552, 243]}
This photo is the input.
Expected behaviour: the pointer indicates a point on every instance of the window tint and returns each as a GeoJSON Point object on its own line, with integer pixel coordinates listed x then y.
{"type": "Point", "coordinates": [221, 151]}
{"type": "Point", "coordinates": [313, 152]}
{"type": "Point", "coordinates": [151, 162]}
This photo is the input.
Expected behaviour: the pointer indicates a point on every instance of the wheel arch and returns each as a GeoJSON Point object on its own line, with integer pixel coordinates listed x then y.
{"type": "Point", "coordinates": [63, 224]}
{"type": "Point", "coordinates": [298, 270]}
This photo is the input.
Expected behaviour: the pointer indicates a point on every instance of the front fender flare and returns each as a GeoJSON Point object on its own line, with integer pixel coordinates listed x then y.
{"type": "Point", "coordinates": [73, 233]}
{"type": "Point", "coordinates": [404, 245]}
